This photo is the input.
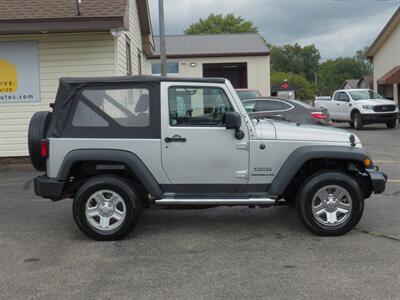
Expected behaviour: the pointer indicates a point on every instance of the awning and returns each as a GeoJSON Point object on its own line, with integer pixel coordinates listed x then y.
{"type": "Point", "coordinates": [391, 77]}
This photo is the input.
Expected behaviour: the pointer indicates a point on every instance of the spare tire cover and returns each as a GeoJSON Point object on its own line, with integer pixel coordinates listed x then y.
{"type": "Point", "coordinates": [37, 132]}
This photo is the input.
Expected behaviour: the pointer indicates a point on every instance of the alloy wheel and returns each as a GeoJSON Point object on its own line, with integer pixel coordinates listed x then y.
{"type": "Point", "coordinates": [331, 205]}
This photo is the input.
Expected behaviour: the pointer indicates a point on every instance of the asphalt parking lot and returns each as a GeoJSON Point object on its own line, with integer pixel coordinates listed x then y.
{"type": "Point", "coordinates": [199, 254]}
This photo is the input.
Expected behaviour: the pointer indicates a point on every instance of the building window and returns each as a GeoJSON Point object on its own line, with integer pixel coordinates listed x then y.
{"type": "Point", "coordinates": [172, 68]}
{"type": "Point", "coordinates": [128, 57]}
{"type": "Point", "coordinates": [139, 56]}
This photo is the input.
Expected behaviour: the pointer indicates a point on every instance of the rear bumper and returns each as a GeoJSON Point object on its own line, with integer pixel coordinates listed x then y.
{"type": "Point", "coordinates": [48, 188]}
{"type": "Point", "coordinates": [379, 118]}
{"type": "Point", "coordinates": [378, 180]}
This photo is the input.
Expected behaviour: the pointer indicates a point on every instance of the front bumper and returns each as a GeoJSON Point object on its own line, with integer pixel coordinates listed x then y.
{"type": "Point", "coordinates": [48, 188]}
{"type": "Point", "coordinates": [378, 180]}
{"type": "Point", "coordinates": [379, 118]}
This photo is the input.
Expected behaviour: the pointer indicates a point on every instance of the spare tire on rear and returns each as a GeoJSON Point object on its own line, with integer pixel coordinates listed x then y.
{"type": "Point", "coordinates": [37, 132]}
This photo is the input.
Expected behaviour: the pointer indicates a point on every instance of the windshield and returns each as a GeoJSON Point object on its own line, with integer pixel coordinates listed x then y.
{"type": "Point", "coordinates": [364, 95]}
{"type": "Point", "coordinates": [243, 95]}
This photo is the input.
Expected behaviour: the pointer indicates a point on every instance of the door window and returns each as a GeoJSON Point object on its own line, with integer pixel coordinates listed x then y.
{"type": "Point", "coordinates": [197, 106]}
{"type": "Point", "coordinates": [344, 97]}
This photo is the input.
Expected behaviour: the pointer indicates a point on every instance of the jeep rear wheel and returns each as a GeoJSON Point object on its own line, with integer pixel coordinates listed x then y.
{"type": "Point", "coordinates": [106, 208]}
{"type": "Point", "coordinates": [330, 203]}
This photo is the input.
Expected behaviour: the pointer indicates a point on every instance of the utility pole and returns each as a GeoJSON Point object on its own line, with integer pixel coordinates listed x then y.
{"type": "Point", "coordinates": [163, 50]}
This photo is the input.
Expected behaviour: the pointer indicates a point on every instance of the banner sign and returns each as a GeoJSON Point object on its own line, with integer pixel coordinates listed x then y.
{"type": "Point", "coordinates": [19, 72]}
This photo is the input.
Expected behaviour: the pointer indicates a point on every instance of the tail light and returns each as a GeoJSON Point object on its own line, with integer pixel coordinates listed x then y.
{"type": "Point", "coordinates": [44, 149]}
{"type": "Point", "coordinates": [319, 115]}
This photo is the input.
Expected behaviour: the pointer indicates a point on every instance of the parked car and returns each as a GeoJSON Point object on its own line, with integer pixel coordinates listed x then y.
{"type": "Point", "coordinates": [360, 107]}
{"type": "Point", "coordinates": [248, 94]}
{"type": "Point", "coordinates": [118, 144]}
{"type": "Point", "coordinates": [290, 110]}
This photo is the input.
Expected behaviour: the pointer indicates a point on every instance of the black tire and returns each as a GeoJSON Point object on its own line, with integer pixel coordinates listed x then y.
{"type": "Point", "coordinates": [36, 133]}
{"type": "Point", "coordinates": [391, 125]}
{"type": "Point", "coordinates": [316, 182]}
{"type": "Point", "coordinates": [357, 121]}
{"type": "Point", "coordinates": [351, 124]}
{"type": "Point", "coordinates": [117, 185]}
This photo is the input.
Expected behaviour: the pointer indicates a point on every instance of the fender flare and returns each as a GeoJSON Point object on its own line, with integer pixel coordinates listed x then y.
{"type": "Point", "coordinates": [303, 154]}
{"type": "Point", "coordinates": [130, 159]}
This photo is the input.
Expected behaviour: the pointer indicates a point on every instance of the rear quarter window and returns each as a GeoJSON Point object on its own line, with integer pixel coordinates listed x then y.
{"type": "Point", "coordinates": [114, 111]}
{"type": "Point", "coordinates": [127, 107]}
{"type": "Point", "coordinates": [270, 105]}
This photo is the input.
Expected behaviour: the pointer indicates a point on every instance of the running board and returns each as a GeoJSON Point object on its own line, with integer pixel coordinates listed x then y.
{"type": "Point", "coordinates": [216, 201]}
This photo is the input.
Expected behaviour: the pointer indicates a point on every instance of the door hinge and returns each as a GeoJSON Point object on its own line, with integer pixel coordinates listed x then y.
{"type": "Point", "coordinates": [243, 174]}
{"type": "Point", "coordinates": [243, 146]}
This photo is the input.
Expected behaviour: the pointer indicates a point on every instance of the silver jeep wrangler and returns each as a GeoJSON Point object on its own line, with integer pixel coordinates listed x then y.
{"type": "Point", "coordinates": [118, 144]}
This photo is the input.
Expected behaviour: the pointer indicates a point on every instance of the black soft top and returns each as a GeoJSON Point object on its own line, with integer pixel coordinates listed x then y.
{"type": "Point", "coordinates": [70, 81]}
{"type": "Point", "coordinates": [70, 86]}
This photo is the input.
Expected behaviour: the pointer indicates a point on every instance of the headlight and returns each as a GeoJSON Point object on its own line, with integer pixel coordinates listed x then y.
{"type": "Point", "coordinates": [368, 106]}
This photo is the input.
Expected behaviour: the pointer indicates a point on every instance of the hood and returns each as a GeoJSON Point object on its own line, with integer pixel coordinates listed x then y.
{"type": "Point", "coordinates": [374, 102]}
{"type": "Point", "coordinates": [268, 129]}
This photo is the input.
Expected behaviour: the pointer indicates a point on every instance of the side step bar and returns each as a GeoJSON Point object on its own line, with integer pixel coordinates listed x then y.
{"type": "Point", "coordinates": [216, 201]}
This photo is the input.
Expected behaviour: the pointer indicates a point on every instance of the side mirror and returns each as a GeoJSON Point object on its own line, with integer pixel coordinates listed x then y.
{"type": "Point", "coordinates": [233, 120]}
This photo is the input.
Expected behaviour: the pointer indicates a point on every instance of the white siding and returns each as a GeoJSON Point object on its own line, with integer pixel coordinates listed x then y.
{"type": "Point", "coordinates": [135, 36]}
{"type": "Point", "coordinates": [258, 69]}
{"type": "Point", "coordinates": [60, 55]}
{"type": "Point", "coordinates": [387, 57]}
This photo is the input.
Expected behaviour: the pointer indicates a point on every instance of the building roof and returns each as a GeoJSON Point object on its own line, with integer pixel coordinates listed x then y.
{"type": "Point", "coordinates": [47, 16]}
{"type": "Point", "coordinates": [385, 33]}
{"type": "Point", "coordinates": [368, 80]}
{"type": "Point", "coordinates": [59, 9]}
{"type": "Point", "coordinates": [213, 45]}
{"type": "Point", "coordinates": [352, 83]}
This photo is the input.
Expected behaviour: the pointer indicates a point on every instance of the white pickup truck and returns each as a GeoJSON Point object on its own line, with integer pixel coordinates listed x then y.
{"type": "Point", "coordinates": [360, 107]}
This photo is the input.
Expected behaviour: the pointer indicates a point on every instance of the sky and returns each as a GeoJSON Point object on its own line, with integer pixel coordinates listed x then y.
{"type": "Point", "coordinates": [336, 27]}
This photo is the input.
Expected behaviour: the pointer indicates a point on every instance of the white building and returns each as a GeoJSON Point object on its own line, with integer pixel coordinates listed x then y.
{"type": "Point", "coordinates": [43, 40]}
{"type": "Point", "coordinates": [243, 58]}
{"type": "Point", "coordinates": [385, 54]}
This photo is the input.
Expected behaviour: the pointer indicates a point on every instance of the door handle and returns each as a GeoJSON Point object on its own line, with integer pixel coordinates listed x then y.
{"type": "Point", "coordinates": [175, 139]}
{"type": "Point", "coordinates": [337, 103]}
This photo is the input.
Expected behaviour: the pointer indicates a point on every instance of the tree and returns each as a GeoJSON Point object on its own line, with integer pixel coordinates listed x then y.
{"type": "Point", "coordinates": [221, 24]}
{"type": "Point", "coordinates": [332, 73]}
{"type": "Point", "coordinates": [307, 91]}
{"type": "Point", "coordinates": [295, 59]}
{"type": "Point", "coordinates": [361, 57]}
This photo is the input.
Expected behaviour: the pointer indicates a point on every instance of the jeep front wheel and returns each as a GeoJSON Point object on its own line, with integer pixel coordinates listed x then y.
{"type": "Point", "coordinates": [330, 203]}
{"type": "Point", "coordinates": [106, 208]}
